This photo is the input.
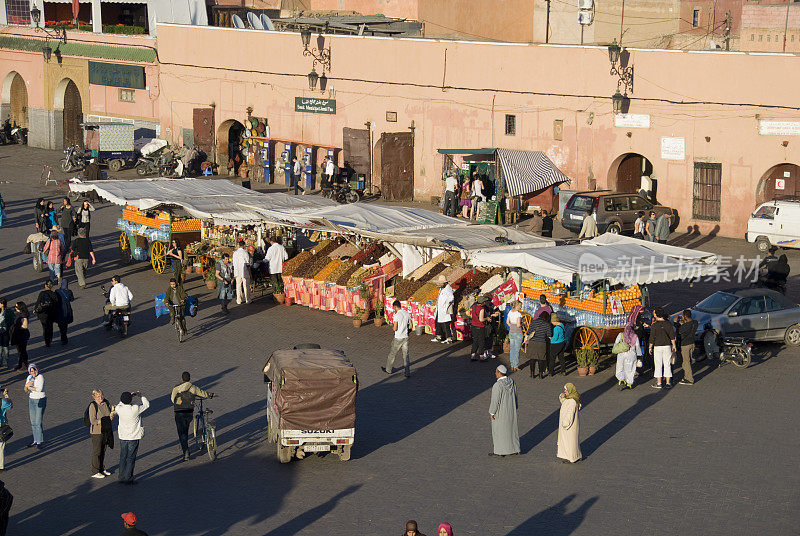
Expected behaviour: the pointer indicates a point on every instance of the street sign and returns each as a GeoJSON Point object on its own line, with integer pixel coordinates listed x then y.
{"type": "Point", "coordinates": [314, 106]}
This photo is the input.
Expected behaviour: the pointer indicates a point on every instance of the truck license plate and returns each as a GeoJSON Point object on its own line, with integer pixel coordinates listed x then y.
{"type": "Point", "coordinates": [126, 318]}
{"type": "Point", "coordinates": [317, 448]}
{"type": "Point", "coordinates": [575, 217]}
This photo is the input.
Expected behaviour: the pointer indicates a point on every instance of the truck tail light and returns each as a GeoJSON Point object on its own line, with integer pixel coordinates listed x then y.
{"type": "Point", "coordinates": [293, 442]}
{"type": "Point", "coordinates": [342, 441]}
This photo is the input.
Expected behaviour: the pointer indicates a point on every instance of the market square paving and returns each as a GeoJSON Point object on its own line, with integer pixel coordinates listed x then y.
{"type": "Point", "coordinates": [718, 457]}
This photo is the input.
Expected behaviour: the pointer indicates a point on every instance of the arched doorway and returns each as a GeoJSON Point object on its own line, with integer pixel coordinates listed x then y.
{"type": "Point", "coordinates": [779, 181]}
{"type": "Point", "coordinates": [230, 135]}
{"type": "Point", "coordinates": [626, 172]}
{"type": "Point", "coordinates": [68, 100]}
{"type": "Point", "coordinates": [15, 94]}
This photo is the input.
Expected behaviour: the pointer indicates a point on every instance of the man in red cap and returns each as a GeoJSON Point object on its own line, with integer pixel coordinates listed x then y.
{"type": "Point", "coordinates": [129, 520]}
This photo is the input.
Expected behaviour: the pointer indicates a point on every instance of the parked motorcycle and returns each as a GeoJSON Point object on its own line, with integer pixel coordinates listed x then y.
{"type": "Point", "coordinates": [75, 159]}
{"type": "Point", "coordinates": [342, 193]}
{"type": "Point", "coordinates": [19, 134]}
{"type": "Point", "coordinates": [735, 350]}
{"type": "Point", "coordinates": [146, 165]}
{"type": "Point", "coordinates": [170, 166]}
{"type": "Point", "coordinates": [120, 318]}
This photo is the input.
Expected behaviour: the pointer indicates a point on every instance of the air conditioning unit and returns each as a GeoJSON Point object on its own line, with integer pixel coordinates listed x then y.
{"type": "Point", "coordinates": [585, 17]}
{"type": "Point", "coordinates": [585, 4]}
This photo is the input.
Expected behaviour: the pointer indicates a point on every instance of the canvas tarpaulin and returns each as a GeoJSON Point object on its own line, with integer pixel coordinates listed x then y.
{"type": "Point", "coordinates": [528, 171]}
{"type": "Point", "coordinates": [313, 389]}
{"type": "Point", "coordinates": [617, 258]}
{"type": "Point", "coordinates": [471, 237]}
{"type": "Point", "coordinates": [221, 200]}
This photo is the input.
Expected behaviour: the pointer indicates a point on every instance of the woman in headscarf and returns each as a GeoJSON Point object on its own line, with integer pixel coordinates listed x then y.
{"type": "Point", "coordinates": [51, 216]}
{"type": "Point", "coordinates": [626, 361]}
{"type": "Point", "coordinates": [445, 529]}
{"type": "Point", "coordinates": [39, 215]}
{"type": "Point", "coordinates": [569, 449]}
{"type": "Point", "coordinates": [777, 274]}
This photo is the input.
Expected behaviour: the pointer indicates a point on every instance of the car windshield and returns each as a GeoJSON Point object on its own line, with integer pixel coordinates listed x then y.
{"type": "Point", "coordinates": [582, 203]}
{"type": "Point", "coordinates": [716, 303]}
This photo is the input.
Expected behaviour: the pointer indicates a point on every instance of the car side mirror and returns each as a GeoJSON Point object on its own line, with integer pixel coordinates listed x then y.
{"type": "Point", "coordinates": [733, 313]}
{"type": "Point", "coordinates": [266, 378]}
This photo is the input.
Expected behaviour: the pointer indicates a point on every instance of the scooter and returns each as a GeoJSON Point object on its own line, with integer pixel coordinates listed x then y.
{"type": "Point", "coordinates": [170, 167]}
{"type": "Point", "coordinates": [735, 350]}
{"type": "Point", "coordinates": [19, 134]}
{"type": "Point", "coordinates": [342, 193]}
{"type": "Point", "coordinates": [5, 133]}
{"type": "Point", "coordinates": [120, 318]}
{"type": "Point", "coordinates": [74, 159]}
{"type": "Point", "coordinates": [146, 165]}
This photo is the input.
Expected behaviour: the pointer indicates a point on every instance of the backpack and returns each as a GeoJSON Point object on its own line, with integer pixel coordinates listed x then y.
{"type": "Point", "coordinates": [184, 401]}
{"type": "Point", "coordinates": [86, 421]}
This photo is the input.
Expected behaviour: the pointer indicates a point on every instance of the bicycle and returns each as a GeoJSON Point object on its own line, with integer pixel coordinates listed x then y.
{"type": "Point", "coordinates": [178, 316]}
{"type": "Point", "coordinates": [204, 430]}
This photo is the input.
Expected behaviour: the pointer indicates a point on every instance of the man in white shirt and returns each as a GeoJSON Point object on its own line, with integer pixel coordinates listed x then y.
{"type": "Point", "coordinates": [275, 256]}
{"type": "Point", "coordinates": [130, 431]}
{"type": "Point", "coordinates": [296, 173]}
{"type": "Point", "coordinates": [400, 341]}
{"type": "Point", "coordinates": [328, 169]}
{"type": "Point", "coordinates": [241, 272]}
{"type": "Point", "coordinates": [450, 188]}
{"type": "Point", "coordinates": [444, 311]}
{"type": "Point", "coordinates": [119, 297]}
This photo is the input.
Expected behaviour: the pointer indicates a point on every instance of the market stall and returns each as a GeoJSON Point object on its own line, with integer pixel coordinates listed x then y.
{"type": "Point", "coordinates": [593, 285]}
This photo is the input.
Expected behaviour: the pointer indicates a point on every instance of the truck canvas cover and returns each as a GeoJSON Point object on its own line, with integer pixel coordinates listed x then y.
{"type": "Point", "coordinates": [314, 389]}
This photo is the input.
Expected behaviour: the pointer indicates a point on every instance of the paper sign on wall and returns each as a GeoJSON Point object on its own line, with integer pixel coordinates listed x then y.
{"type": "Point", "coordinates": [673, 149]}
{"type": "Point", "coordinates": [780, 184]}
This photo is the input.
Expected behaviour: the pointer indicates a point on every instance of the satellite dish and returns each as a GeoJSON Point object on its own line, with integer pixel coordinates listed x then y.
{"type": "Point", "coordinates": [267, 23]}
{"type": "Point", "coordinates": [253, 21]}
{"type": "Point", "coordinates": [237, 21]}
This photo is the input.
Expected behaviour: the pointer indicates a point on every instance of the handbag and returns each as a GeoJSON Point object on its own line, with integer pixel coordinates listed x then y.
{"type": "Point", "coordinates": [674, 358]}
{"type": "Point", "coordinates": [6, 432]}
{"type": "Point", "coordinates": [27, 249]}
{"type": "Point", "coordinates": [620, 347]}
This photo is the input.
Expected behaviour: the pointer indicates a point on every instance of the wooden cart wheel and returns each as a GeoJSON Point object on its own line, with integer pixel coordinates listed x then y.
{"type": "Point", "coordinates": [585, 337]}
{"type": "Point", "coordinates": [125, 248]}
{"type": "Point", "coordinates": [158, 257]}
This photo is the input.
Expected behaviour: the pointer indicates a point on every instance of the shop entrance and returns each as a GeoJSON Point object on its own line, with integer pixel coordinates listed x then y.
{"type": "Point", "coordinates": [230, 136]}
{"type": "Point", "coordinates": [397, 166]}
{"type": "Point", "coordinates": [68, 100]}
{"type": "Point", "coordinates": [15, 94]}
{"type": "Point", "coordinates": [779, 181]}
{"type": "Point", "coordinates": [626, 172]}
{"type": "Point", "coordinates": [355, 151]}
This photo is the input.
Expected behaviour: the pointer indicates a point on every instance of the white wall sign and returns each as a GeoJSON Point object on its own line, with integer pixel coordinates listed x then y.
{"type": "Point", "coordinates": [632, 120]}
{"type": "Point", "coordinates": [780, 184]}
{"type": "Point", "coordinates": [673, 149]}
{"type": "Point", "coordinates": [773, 127]}
{"type": "Point", "coordinates": [787, 174]}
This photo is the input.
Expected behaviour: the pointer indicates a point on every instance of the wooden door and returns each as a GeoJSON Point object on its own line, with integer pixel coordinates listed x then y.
{"type": "Point", "coordinates": [73, 116]}
{"type": "Point", "coordinates": [785, 175]}
{"type": "Point", "coordinates": [19, 101]}
{"type": "Point", "coordinates": [397, 166]}
{"type": "Point", "coordinates": [629, 174]}
{"type": "Point", "coordinates": [203, 126]}
{"type": "Point", "coordinates": [355, 150]}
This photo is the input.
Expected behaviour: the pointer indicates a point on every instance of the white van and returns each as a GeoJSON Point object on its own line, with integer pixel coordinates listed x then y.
{"type": "Point", "coordinates": [775, 223]}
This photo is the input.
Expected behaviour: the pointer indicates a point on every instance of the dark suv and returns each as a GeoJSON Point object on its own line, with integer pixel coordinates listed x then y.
{"type": "Point", "coordinates": [615, 213]}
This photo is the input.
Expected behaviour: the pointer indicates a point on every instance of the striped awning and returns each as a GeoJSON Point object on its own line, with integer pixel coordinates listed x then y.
{"type": "Point", "coordinates": [528, 171]}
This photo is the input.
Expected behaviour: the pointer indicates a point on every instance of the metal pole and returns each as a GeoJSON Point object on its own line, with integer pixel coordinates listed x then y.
{"type": "Point", "coordinates": [786, 25]}
{"type": "Point", "coordinates": [547, 24]}
{"type": "Point", "coordinates": [581, 34]}
{"type": "Point", "coordinates": [621, 21]}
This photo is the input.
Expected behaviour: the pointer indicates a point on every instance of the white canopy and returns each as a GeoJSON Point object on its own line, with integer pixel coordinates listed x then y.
{"type": "Point", "coordinates": [617, 258]}
{"type": "Point", "coordinates": [221, 200]}
{"type": "Point", "coordinates": [473, 237]}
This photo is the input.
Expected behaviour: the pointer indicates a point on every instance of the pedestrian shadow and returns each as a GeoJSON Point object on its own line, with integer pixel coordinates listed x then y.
{"type": "Point", "coordinates": [556, 520]}
{"type": "Point", "coordinates": [312, 515]}
{"type": "Point", "coordinates": [549, 425]}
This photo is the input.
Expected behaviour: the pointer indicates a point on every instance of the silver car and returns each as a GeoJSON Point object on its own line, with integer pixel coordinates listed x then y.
{"type": "Point", "coordinates": [756, 314]}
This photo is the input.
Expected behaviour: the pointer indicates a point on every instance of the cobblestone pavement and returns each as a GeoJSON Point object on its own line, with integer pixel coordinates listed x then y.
{"type": "Point", "coordinates": [719, 457]}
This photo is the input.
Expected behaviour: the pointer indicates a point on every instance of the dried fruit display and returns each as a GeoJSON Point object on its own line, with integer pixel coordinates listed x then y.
{"type": "Point", "coordinates": [374, 253]}
{"type": "Point", "coordinates": [325, 272]}
{"type": "Point", "coordinates": [421, 295]}
{"type": "Point", "coordinates": [405, 288]}
{"type": "Point", "coordinates": [292, 264]}
{"type": "Point", "coordinates": [345, 276]}
{"type": "Point", "coordinates": [345, 250]}
{"type": "Point", "coordinates": [433, 272]}
{"type": "Point", "coordinates": [333, 277]}
{"type": "Point", "coordinates": [356, 277]}
{"type": "Point", "coordinates": [314, 265]}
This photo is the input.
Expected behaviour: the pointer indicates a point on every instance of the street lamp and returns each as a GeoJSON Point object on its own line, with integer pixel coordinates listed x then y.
{"type": "Point", "coordinates": [616, 100]}
{"type": "Point", "coordinates": [46, 52]}
{"type": "Point", "coordinates": [36, 15]}
{"type": "Point", "coordinates": [613, 52]}
{"type": "Point", "coordinates": [59, 32]}
{"type": "Point", "coordinates": [313, 77]}
{"type": "Point", "coordinates": [305, 36]}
